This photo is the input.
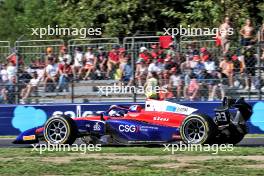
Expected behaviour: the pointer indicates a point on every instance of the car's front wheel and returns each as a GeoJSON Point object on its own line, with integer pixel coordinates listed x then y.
{"type": "Point", "coordinates": [197, 129]}
{"type": "Point", "coordinates": [60, 129]}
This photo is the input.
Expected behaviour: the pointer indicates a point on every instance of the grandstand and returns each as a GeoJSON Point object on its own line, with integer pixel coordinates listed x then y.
{"type": "Point", "coordinates": [163, 52]}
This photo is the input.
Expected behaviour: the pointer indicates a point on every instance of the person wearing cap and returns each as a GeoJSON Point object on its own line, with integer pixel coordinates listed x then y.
{"type": "Point", "coordinates": [144, 54]}
{"type": "Point", "coordinates": [113, 60]}
{"type": "Point", "coordinates": [90, 63]}
{"type": "Point", "coordinates": [205, 55]}
{"type": "Point", "coordinates": [49, 53]}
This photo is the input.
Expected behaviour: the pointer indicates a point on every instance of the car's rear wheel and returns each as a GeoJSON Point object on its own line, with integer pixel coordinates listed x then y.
{"type": "Point", "coordinates": [197, 129]}
{"type": "Point", "coordinates": [60, 129]}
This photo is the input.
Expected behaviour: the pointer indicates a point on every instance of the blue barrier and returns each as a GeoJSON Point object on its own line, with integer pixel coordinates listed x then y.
{"type": "Point", "coordinates": [17, 118]}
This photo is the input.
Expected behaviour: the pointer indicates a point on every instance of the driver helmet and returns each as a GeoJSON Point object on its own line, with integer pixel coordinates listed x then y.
{"type": "Point", "coordinates": [135, 108]}
{"type": "Point", "coordinates": [114, 113]}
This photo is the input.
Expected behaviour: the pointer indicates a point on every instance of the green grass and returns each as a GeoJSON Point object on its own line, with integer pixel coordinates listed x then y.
{"type": "Point", "coordinates": [132, 161]}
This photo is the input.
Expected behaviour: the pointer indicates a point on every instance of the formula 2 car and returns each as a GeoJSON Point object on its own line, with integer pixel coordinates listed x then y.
{"type": "Point", "coordinates": [160, 122]}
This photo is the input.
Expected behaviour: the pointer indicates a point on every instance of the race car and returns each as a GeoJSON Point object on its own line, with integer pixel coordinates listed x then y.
{"type": "Point", "coordinates": [159, 122]}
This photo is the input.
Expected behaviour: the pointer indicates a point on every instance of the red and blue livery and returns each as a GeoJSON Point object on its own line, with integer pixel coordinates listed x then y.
{"type": "Point", "coordinates": [159, 122]}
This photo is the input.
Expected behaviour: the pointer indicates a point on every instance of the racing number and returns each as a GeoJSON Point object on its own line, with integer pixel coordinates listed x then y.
{"type": "Point", "coordinates": [221, 116]}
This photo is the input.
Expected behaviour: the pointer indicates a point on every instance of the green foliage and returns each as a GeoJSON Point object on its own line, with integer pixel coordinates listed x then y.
{"type": "Point", "coordinates": [121, 17]}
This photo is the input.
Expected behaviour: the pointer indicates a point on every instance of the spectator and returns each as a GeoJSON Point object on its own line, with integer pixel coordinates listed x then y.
{"type": "Point", "coordinates": [49, 53]}
{"type": "Point", "coordinates": [205, 55]}
{"type": "Point", "coordinates": [50, 75]}
{"type": "Point", "coordinates": [11, 70]}
{"type": "Point", "coordinates": [32, 86]}
{"type": "Point", "coordinates": [171, 51]}
{"type": "Point", "coordinates": [101, 61]}
{"type": "Point", "coordinates": [10, 90]}
{"type": "Point", "coordinates": [23, 79]}
{"type": "Point", "coordinates": [65, 75]}
{"type": "Point", "coordinates": [141, 72]}
{"type": "Point", "coordinates": [198, 66]}
{"type": "Point", "coordinates": [113, 60]}
{"type": "Point", "coordinates": [144, 54]}
{"type": "Point", "coordinates": [152, 85]}
{"type": "Point", "coordinates": [239, 68]}
{"type": "Point", "coordinates": [175, 83]}
{"type": "Point", "coordinates": [90, 63]}
{"type": "Point", "coordinates": [227, 68]}
{"type": "Point", "coordinates": [193, 88]}
{"type": "Point", "coordinates": [126, 71]}
{"type": "Point", "coordinates": [247, 32]}
{"type": "Point", "coordinates": [78, 62]}
{"type": "Point", "coordinates": [155, 66]}
{"type": "Point", "coordinates": [65, 55]}
{"type": "Point", "coordinates": [209, 65]}
{"type": "Point", "coordinates": [155, 52]}
{"type": "Point", "coordinates": [224, 35]}
{"type": "Point", "coordinates": [4, 74]}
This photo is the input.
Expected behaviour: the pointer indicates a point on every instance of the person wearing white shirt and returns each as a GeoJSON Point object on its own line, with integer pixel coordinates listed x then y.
{"type": "Point", "coordinates": [31, 87]}
{"type": "Point", "coordinates": [50, 73]}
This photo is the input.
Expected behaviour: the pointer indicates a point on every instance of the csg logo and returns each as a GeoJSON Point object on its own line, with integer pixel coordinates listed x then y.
{"type": "Point", "coordinates": [127, 128]}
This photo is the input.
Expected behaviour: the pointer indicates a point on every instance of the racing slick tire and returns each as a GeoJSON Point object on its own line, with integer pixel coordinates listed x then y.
{"type": "Point", "coordinates": [198, 129]}
{"type": "Point", "coordinates": [60, 129]}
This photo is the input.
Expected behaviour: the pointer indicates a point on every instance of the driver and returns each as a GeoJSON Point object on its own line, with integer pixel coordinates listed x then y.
{"type": "Point", "coordinates": [115, 113]}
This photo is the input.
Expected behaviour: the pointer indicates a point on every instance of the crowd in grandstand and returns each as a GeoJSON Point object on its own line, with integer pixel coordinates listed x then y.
{"type": "Point", "coordinates": [193, 74]}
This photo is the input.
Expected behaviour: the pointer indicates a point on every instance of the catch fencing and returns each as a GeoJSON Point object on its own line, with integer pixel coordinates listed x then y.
{"type": "Point", "coordinates": [36, 49]}
{"type": "Point", "coordinates": [5, 50]}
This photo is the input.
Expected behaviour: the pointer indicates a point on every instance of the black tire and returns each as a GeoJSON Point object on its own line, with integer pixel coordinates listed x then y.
{"type": "Point", "coordinates": [198, 125]}
{"type": "Point", "coordinates": [60, 129]}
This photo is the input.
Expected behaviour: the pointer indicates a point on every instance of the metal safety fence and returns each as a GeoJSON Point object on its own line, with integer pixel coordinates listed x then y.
{"type": "Point", "coordinates": [240, 74]}
{"type": "Point", "coordinates": [5, 50]}
{"type": "Point", "coordinates": [105, 43]}
{"type": "Point", "coordinates": [31, 50]}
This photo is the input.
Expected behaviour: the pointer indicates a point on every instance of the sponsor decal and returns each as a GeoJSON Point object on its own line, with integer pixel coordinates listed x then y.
{"type": "Point", "coordinates": [127, 128]}
{"type": "Point", "coordinates": [97, 127]}
{"type": "Point", "coordinates": [177, 109]}
{"type": "Point", "coordinates": [146, 128]}
{"type": "Point", "coordinates": [29, 138]}
{"type": "Point", "coordinates": [161, 119]}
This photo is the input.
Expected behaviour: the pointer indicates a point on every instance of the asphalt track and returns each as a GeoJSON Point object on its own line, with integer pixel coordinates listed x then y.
{"type": "Point", "coordinates": [248, 141]}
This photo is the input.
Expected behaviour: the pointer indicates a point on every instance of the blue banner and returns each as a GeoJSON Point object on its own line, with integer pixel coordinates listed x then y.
{"type": "Point", "coordinates": [17, 118]}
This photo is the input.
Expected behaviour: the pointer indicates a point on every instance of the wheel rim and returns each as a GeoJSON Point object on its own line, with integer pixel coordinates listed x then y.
{"type": "Point", "coordinates": [56, 131]}
{"type": "Point", "coordinates": [194, 131]}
